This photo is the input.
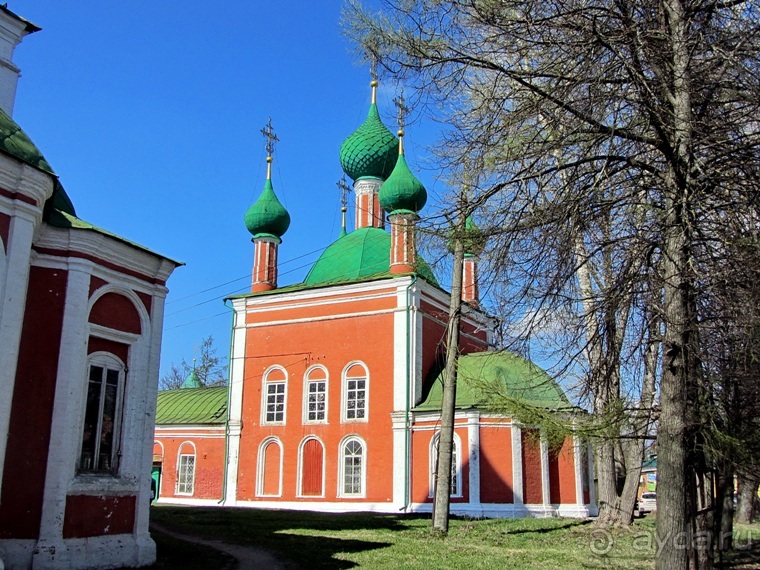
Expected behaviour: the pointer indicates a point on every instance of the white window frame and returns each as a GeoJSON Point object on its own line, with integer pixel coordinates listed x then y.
{"type": "Point", "coordinates": [456, 465]}
{"type": "Point", "coordinates": [307, 383]}
{"type": "Point", "coordinates": [261, 465]}
{"type": "Point", "coordinates": [342, 493]}
{"type": "Point", "coordinates": [299, 489]}
{"type": "Point", "coordinates": [345, 393]}
{"type": "Point", "coordinates": [181, 454]}
{"type": "Point", "coordinates": [108, 362]}
{"type": "Point", "coordinates": [265, 393]}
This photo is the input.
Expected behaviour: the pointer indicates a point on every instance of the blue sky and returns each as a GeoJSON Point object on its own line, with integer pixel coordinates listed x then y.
{"type": "Point", "coordinates": [150, 113]}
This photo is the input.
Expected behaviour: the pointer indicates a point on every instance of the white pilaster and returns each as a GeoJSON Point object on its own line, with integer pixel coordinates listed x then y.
{"type": "Point", "coordinates": [473, 448]}
{"type": "Point", "coordinates": [546, 490]}
{"type": "Point", "coordinates": [67, 412]}
{"type": "Point", "coordinates": [235, 406]}
{"type": "Point", "coordinates": [593, 508]}
{"type": "Point", "coordinates": [517, 470]}
{"type": "Point", "coordinates": [12, 308]}
{"type": "Point", "coordinates": [401, 459]}
{"type": "Point", "coordinates": [578, 468]}
{"type": "Point", "coordinates": [146, 547]}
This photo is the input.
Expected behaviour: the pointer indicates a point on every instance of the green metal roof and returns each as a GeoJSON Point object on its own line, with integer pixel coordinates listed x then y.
{"type": "Point", "coordinates": [521, 379]}
{"type": "Point", "coordinates": [15, 142]}
{"type": "Point", "coordinates": [192, 406]}
{"type": "Point", "coordinates": [402, 190]}
{"type": "Point", "coordinates": [267, 217]}
{"type": "Point", "coordinates": [371, 151]}
{"type": "Point", "coordinates": [358, 256]}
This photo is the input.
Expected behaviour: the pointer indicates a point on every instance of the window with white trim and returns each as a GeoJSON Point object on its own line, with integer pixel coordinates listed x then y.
{"type": "Point", "coordinates": [353, 468]}
{"type": "Point", "coordinates": [102, 415]}
{"type": "Point", "coordinates": [269, 469]}
{"type": "Point", "coordinates": [186, 474]}
{"type": "Point", "coordinates": [315, 396]}
{"type": "Point", "coordinates": [275, 396]}
{"type": "Point", "coordinates": [355, 391]}
{"type": "Point", "coordinates": [456, 471]}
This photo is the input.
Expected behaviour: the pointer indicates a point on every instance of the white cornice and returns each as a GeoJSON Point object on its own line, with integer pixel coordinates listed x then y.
{"type": "Point", "coordinates": [106, 248]}
{"type": "Point", "coordinates": [312, 294]}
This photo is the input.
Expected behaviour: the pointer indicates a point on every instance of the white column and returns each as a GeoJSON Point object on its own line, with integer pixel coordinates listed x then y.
{"type": "Point", "coordinates": [12, 308]}
{"type": "Point", "coordinates": [67, 413]}
{"type": "Point", "coordinates": [235, 405]}
{"type": "Point", "coordinates": [517, 470]}
{"type": "Point", "coordinates": [473, 445]}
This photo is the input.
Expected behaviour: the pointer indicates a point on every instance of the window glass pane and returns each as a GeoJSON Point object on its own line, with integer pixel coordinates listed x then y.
{"type": "Point", "coordinates": [355, 398]}
{"type": "Point", "coordinates": [186, 475]}
{"type": "Point", "coordinates": [99, 430]}
{"type": "Point", "coordinates": [352, 468]}
{"type": "Point", "coordinates": [316, 401]}
{"type": "Point", "coordinates": [91, 414]}
{"type": "Point", "coordinates": [275, 403]}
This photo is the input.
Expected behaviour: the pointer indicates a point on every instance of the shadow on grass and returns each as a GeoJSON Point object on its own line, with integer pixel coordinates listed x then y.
{"type": "Point", "coordinates": [746, 556]}
{"type": "Point", "coordinates": [284, 533]}
{"type": "Point", "coordinates": [173, 553]}
{"type": "Point", "coordinates": [570, 523]}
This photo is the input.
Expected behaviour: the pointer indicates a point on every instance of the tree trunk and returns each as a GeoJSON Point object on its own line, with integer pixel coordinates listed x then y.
{"type": "Point", "coordinates": [724, 506]}
{"type": "Point", "coordinates": [446, 440]}
{"type": "Point", "coordinates": [672, 523]}
{"type": "Point", "coordinates": [745, 510]}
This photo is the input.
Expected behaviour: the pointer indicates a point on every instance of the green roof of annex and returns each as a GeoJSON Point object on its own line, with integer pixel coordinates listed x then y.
{"type": "Point", "coordinates": [193, 406]}
{"type": "Point", "coordinates": [520, 378]}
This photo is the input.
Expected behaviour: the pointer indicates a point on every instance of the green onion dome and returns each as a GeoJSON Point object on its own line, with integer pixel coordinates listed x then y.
{"type": "Point", "coordinates": [267, 217]}
{"type": "Point", "coordinates": [371, 151]}
{"type": "Point", "coordinates": [359, 256]}
{"type": "Point", "coordinates": [402, 191]}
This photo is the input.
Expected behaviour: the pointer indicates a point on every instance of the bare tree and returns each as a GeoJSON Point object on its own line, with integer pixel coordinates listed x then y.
{"type": "Point", "coordinates": [209, 368]}
{"type": "Point", "coordinates": [658, 99]}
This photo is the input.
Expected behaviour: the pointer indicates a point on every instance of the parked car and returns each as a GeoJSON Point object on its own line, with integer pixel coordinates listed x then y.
{"type": "Point", "coordinates": [647, 503]}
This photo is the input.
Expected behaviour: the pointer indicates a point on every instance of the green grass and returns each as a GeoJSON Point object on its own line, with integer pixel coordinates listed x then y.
{"type": "Point", "coordinates": [318, 540]}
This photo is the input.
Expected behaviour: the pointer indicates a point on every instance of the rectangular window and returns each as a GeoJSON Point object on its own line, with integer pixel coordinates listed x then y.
{"type": "Point", "coordinates": [275, 402]}
{"type": "Point", "coordinates": [101, 418]}
{"type": "Point", "coordinates": [186, 475]}
{"type": "Point", "coordinates": [356, 398]}
{"type": "Point", "coordinates": [317, 399]}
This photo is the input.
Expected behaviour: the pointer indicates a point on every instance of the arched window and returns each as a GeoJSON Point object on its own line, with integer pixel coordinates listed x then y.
{"type": "Point", "coordinates": [353, 468]}
{"type": "Point", "coordinates": [311, 468]}
{"type": "Point", "coordinates": [269, 472]}
{"type": "Point", "coordinates": [186, 469]}
{"type": "Point", "coordinates": [274, 394]}
{"type": "Point", "coordinates": [315, 395]}
{"type": "Point", "coordinates": [102, 417]}
{"type": "Point", "coordinates": [456, 468]}
{"type": "Point", "coordinates": [355, 393]}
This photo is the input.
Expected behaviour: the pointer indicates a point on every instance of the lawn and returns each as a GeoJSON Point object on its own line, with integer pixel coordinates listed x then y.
{"type": "Point", "coordinates": [318, 540]}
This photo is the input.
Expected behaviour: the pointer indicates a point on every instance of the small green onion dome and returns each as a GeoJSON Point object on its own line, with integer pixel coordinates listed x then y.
{"type": "Point", "coordinates": [192, 381]}
{"type": "Point", "coordinates": [267, 217]}
{"type": "Point", "coordinates": [402, 190]}
{"type": "Point", "coordinates": [474, 240]}
{"type": "Point", "coordinates": [371, 151]}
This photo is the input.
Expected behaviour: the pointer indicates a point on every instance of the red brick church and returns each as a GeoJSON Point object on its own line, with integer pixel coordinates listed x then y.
{"type": "Point", "coordinates": [81, 315]}
{"type": "Point", "coordinates": [334, 396]}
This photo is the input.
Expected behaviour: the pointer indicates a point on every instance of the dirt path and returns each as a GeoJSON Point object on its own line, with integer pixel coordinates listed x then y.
{"type": "Point", "coordinates": [248, 557]}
